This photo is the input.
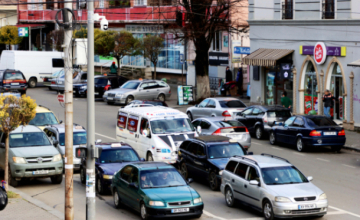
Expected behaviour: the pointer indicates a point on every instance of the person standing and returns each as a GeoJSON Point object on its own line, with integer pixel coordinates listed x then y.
{"type": "Point", "coordinates": [239, 81]}
{"type": "Point", "coordinates": [228, 74]}
{"type": "Point", "coordinates": [113, 68]}
{"type": "Point", "coordinates": [328, 100]}
{"type": "Point", "coordinates": [285, 101]}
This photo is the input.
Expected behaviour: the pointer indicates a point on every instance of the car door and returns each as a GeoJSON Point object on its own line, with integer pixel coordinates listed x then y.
{"type": "Point", "coordinates": [200, 162]}
{"type": "Point", "coordinates": [132, 131]}
{"type": "Point", "coordinates": [208, 111]}
{"type": "Point", "coordinates": [123, 184]}
{"type": "Point", "coordinates": [52, 136]}
{"type": "Point", "coordinates": [133, 192]}
{"type": "Point", "coordinates": [297, 127]}
{"type": "Point", "coordinates": [197, 112]}
{"type": "Point", "coordinates": [191, 158]}
{"type": "Point", "coordinates": [285, 133]}
{"type": "Point", "coordinates": [144, 142]}
{"type": "Point", "coordinates": [141, 93]}
{"type": "Point", "coordinates": [2, 150]}
{"type": "Point", "coordinates": [252, 119]}
{"type": "Point", "coordinates": [243, 117]}
{"type": "Point", "coordinates": [238, 181]}
{"type": "Point", "coordinates": [152, 91]}
{"type": "Point", "coordinates": [253, 192]}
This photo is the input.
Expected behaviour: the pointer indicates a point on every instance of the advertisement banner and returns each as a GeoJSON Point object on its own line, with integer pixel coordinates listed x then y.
{"type": "Point", "coordinates": [309, 104]}
{"type": "Point", "coordinates": [185, 95]}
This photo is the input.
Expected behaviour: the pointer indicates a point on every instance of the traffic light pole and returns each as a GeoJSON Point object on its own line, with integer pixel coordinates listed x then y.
{"type": "Point", "coordinates": [90, 161]}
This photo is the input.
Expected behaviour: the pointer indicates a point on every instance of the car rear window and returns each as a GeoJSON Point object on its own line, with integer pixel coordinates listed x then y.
{"type": "Point", "coordinates": [14, 76]}
{"type": "Point", "coordinates": [230, 123]}
{"type": "Point", "coordinates": [279, 113]}
{"type": "Point", "coordinates": [232, 104]}
{"type": "Point", "coordinates": [320, 121]}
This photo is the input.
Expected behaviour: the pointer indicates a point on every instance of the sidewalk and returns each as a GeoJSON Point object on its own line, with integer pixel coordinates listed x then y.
{"type": "Point", "coordinates": [352, 140]}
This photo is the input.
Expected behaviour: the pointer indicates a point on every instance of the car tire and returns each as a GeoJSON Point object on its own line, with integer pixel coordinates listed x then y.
{"type": "Point", "coordinates": [99, 187]}
{"type": "Point", "coordinates": [143, 212]}
{"type": "Point", "coordinates": [184, 170]}
{"type": "Point", "coordinates": [190, 116]}
{"type": "Point", "coordinates": [300, 146]}
{"type": "Point", "coordinates": [56, 179]}
{"type": "Point", "coordinates": [32, 82]}
{"type": "Point", "coordinates": [49, 87]}
{"type": "Point", "coordinates": [213, 181]}
{"type": "Point", "coordinates": [161, 97]}
{"type": "Point", "coordinates": [336, 149]}
{"type": "Point", "coordinates": [149, 157]}
{"type": "Point", "coordinates": [272, 138]}
{"type": "Point", "coordinates": [117, 200]}
{"type": "Point", "coordinates": [259, 133]}
{"type": "Point", "coordinates": [12, 181]}
{"type": "Point", "coordinates": [229, 197]}
{"type": "Point", "coordinates": [82, 175]}
{"type": "Point", "coordinates": [268, 210]}
{"type": "Point", "coordinates": [129, 99]}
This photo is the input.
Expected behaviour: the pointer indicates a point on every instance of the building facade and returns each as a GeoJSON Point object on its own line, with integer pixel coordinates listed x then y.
{"type": "Point", "coordinates": [304, 48]}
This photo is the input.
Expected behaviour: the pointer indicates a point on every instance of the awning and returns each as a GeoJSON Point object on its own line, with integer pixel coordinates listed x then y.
{"type": "Point", "coordinates": [33, 26]}
{"type": "Point", "coordinates": [266, 57]}
{"type": "Point", "coordinates": [355, 63]}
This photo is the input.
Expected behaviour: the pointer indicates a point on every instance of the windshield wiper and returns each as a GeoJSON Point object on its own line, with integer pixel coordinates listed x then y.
{"type": "Point", "coordinates": [172, 185]}
{"type": "Point", "coordinates": [292, 183]}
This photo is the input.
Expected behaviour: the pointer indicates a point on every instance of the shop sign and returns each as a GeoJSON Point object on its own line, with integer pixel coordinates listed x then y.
{"type": "Point", "coordinates": [185, 95]}
{"type": "Point", "coordinates": [331, 51]}
{"type": "Point", "coordinates": [145, 29]}
{"type": "Point", "coordinates": [241, 50]}
{"type": "Point", "coordinates": [218, 59]}
{"type": "Point", "coordinates": [285, 70]}
{"type": "Point", "coordinates": [320, 53]}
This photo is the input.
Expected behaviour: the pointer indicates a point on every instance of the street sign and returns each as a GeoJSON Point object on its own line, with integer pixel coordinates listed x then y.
{"type": "Point", "coordinates": [23, 32]}
{"type": "Point", "coordinates": [241, 50]}
{"type": "Point", "coordinates": [61, 98]}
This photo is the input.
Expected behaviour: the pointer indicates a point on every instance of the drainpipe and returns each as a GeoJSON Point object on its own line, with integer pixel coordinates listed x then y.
{"type": "Point", "coordinates": [322, 87]}
{"type": "Point", "coordinates": [294, 90]}
{"type": "Point", "coordinates": [351, 99]}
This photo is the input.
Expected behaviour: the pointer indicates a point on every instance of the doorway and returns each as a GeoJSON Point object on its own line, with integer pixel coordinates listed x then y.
{"type": "Point", "coordinates": [337, 90]}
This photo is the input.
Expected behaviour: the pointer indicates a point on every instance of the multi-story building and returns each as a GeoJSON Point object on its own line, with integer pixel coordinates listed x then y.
{"type": "Point", "coordinates": [304, 48]}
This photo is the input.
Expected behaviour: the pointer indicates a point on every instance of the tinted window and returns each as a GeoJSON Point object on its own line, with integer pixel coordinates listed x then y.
{"type": "Point", "coordinates": [125, 173]}
{"type": "Point", "coordinates": [13, 76]}
{"type": "Point", "coordinates": [134, 178]}
{"type": "Point", "coordinates": [192, 148]}
{"type": "Point", "coordinates": [78, 138]}
{"type": "Point", "coordinates": [101, 81]}
{"type": "Point", "coordinates": [196, 123]}
{"type": "Point", "coordinates": [205, 125]}
{"type": "Point", "coordinates": [42, 119]}
{"type": "Point", "coordinates": [298, 122]}
{"type": "Point", "coordinates": [58, 63]}
{"type": "Point", "coordinates": [225, 150]}
{"type": "Point", "coordinates": [232, 104]}
{"type": "Point", "coordinates": [253, 175]}
{"type": "Point", "coordinates": [130, 85]}
{"type": "Point", "coordinates": [279, 114]}
{"type": "Point", "coordinates": [241, 170]}
{"type": "Point", "coordinates": [320, 121]}
{"type": "Point", "coordinates": [200, 151]}
{"type": "Point", "coordinates": [184, 145]}
{"type": "Point", "coordinates": [30, 139]}
{"type": "Point", "coordinates": [84, 76]}
{"type": "Point", "coordinates": [211, 104]}
{"type": "Point", "coordinates": [282, 175]}
{"type": "Point", "coordinates": [118, 156]}
{"type": "Point", "coordinates": [289, 121]}
{"type": "Point", "coordinates": [231, 166]}
{"type": "Point", "coordinates": [203, 103]}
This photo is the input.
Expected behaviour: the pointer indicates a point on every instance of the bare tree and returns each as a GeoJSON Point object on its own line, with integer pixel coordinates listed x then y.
{"type": "Point", "coordinates": [152, 46]}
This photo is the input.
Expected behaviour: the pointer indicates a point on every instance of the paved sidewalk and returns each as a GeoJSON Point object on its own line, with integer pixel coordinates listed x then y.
{"type": "Point", "coordinates": [352, 140]}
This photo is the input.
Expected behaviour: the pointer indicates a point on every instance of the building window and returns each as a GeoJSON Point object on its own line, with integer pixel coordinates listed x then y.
{"type": "Point", "coordinates": [140, 3]}
{"type": "Point", "coordinates": [101, 4]}
{"type": "Point", "coordinates": [118, 3]}
{"type": "Point", "coordinates": [287, 9]}
{"type": "Point", "coordinates": [160, 2]}
{"type": "Point", "coordinates": [328, 9]}
{"type": "Point", "coordinates": [217, 41]}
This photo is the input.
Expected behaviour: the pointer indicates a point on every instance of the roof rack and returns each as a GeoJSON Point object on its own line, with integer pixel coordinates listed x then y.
{"type": "Point", "coordinates": [245, 158]}
{"type": "Point", "coordinates": [269, 155]}
{"type": "Point", "coordinates": [44, 107]}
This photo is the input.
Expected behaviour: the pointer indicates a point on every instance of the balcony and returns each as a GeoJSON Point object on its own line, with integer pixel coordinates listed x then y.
{"type": "Point", "coordinates": [328, 9]}
{"type": "Point", "coordinates": [287, 10]}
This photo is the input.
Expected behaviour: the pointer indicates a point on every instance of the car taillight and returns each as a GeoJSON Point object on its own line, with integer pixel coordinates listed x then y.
{"type": "Point", "coordinates": [45, 79]}
{"type": "Point", "coordinates": [265, 119]}
{"type": "Point", "coordinates": [341, 133]}
{"type": "Point", "coordinates": [107, 88]}
{"type": "Point", "coordinates": [247, 131]}
{"type": "Point", "coordinates": [217, 132]}
{"type": "Point", "coordinates": [315, 133]}
{"type": "Point", "coordinates": [53, 82]}
{"type": "Point", "coordinates": [226, 114]}
{"type": "Point", "coordinates": [170, 91]}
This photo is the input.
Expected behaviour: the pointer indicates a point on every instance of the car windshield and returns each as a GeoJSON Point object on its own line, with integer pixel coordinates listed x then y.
{"type": "Point", "coordinates": [320, 121]}
{"type": "Point", "coordinates": [42, 119]}
{"type": "Point", "coordinates": [30, 139]}
{"type": "Point", "coordinates": [118, 156]}
{"type": "Point", "coordinates": [230, 123]}
{"type": "Point", "coordinates": [171, 125]}
{"type": "Point", "coordinates": [279, 114]}
{"type": "Point", "coordinates": [13, 76]}
{"type": "Point", "coordinates": [78, 138]}
{"type": "Point", "coordinates": [225, 150]}
{"type": "Point", "coordinates": [161, 178]}
{"type": "Point", "coordinates": [130, 85]}
{"type": "Point", "coordinates": [232, 104]}
{"type": "Point", "coordinates": [282, 175]}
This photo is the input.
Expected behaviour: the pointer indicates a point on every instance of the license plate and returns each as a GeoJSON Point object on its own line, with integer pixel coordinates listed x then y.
{"type": "Point", "coordinates": [96, 93]}
{"type": "Point", "coordinates": [330, 133]}
{"type": "Point", "coordinates": [179, 210]}
{"type": "Point", "coordinates": [15, 84]}
{"type": "Point", "coordinates": [110, 98]}
{"type": "Point", "coordinates": [308, 206]}
{"type": "Point", "coordinates": [40, 172]}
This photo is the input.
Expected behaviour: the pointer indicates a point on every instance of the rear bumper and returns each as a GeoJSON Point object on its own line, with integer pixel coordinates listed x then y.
{"type": "Point", "coordinates": [324, 141]}
{"type": "Point", "coordinates": [166, 212]}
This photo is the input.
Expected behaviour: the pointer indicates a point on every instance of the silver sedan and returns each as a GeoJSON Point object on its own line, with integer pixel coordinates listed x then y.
{"type": "Point", "coordinates": [221, 126]}
{"type": "Point", "coordinates": [59, 82]}
{"type": "Point", "coordinates": [138, 89]}
{"type": "Point", "coordinates": [215, 107]}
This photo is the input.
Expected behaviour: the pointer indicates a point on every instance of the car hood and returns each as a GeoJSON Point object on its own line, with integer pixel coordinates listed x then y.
{"type": "Point", "coordinates": [40, 151]}
{"type": "Point", "coordinates": [220, 163]}
{"type": "Point", "coordinates": [172, 194]}
{"type": "Point", "coordinates": [121, 91]}
{"type": "Point", "coordinates": [111, 168]}
{"type": "Point", "coordinates": [296, 190]}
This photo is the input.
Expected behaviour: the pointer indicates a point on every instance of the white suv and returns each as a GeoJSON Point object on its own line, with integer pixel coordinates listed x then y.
{"type": "Point", "coordinates": [273, 186]}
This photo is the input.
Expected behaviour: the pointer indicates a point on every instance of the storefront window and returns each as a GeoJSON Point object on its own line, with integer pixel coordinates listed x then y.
{"type": "Point", "coordinates": [311, 86]}
{"type": "Point", "coordinates": [270, 87]}
{"type": "Point", "coordinates": [276, 84]}
{"type": "Point", "coordinates": [337, 90]}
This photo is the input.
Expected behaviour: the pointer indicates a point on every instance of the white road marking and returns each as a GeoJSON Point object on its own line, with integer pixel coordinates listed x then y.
{"type": "Point", "coordinates": [349, 166]}
{"type": "Point", "coordinates": [276, 148]}
{"type": "Point", "coordinates": [341, 210]}
{"type": "Point", "coordinates": [213, 216]}
{"type": "Point", "coordinates": [255, 218]}
{"type": "Point", "coordinates": [298, 154]}
{"type": "Point", "coordinates": [105, 136]}
{"type": "Point", "coordinates": [256, 143]}
{"type": "Point", "coordinates": [323, 160]}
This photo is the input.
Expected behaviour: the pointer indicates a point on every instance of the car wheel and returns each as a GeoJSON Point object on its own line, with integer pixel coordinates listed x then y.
{"type": "Point", "coordinates": [300, 146]}
{"type": "Point", "coordinates": [229, 197]}
{"type": "Point", "coordinates": [213, 181]}
{"type": "Point", "coordinates": [129, 99]}
{"type": "Point", "coordinates": [336, 148]}
{"type": "Point", "coordinates": [143, 212]}
{"type": "Point", "coordinates": [56, 179]}
{"type": "Point", "coordinates": [32, 82]}
{"type": "Point", "coordinates": [272, 138]}
{"type": "Point", "coordinates": [161, 97]}
{"type": "Point", "coordinates": [190, 116]}
{"type": "Point", "coordinates": [99, 186]}
{"type": "Point", "coordinates": [12, 180]}
{"type": "Point", "coordinates": [259, 133]}
{"type": "Point", "coordinates": [149, 157]}
{"type": "Point", "coordinates": [82, 175]}
{"type": "Point", "coordinates": [49, 87]}
{"type": "Point", "coordinates": [268, 210]}
{"type": "Point", "coordinates": [117, 201]}
{"type": "Point", "coordinates": [184, 171]}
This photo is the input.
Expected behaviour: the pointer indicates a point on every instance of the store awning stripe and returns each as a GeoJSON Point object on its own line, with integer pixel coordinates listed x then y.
{"type": "Point", "coordinates": [355, 63]}
{"type": "Point", "coordinates": [266, 57]}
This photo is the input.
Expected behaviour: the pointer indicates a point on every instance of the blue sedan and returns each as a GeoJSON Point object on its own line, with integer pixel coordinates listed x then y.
{"type": "Point", "coordinates": [306, 131]}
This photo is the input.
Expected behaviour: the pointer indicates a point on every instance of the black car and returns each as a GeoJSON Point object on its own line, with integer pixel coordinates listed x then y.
{"type": "Point", "coordinates": [13, 81]}
{"type": "Point", "coordinates": [113, 157]}
{"type": "Point", "coordinates": [102, 84]}
{"type": "Point", "coordinates": [259, 119]}
{"type": "Point", "coordinates": [306, 131]}
{"type": "Point", "coordinates": [205, 157]}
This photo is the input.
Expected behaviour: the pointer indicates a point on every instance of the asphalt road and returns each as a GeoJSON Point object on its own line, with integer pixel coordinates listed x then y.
{"type": "Point", "coordinates": [337, 174]}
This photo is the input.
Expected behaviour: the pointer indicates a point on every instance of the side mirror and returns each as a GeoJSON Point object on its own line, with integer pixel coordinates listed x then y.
{"type": "Point", "coordinates": [145, 133]}
{"type": "Point", "coordinates": [190, 180]}
{"type": "Point", "coordinates": [196, 105]}
{"type": "Point", "coordinates": [98, 141]}
{"type": "Point", "coordinates": [2, 145]}
{"type": "Point", "coordinates": [254, 182]}
{"type": "Point", "coordinates": [198, 129]}
{"type": "Point", "coordinates": [133, 185]}
{"type": "Point", "coordinates": [81, 152]}
{"type": "Point", "coordinates": [61, 121]}
{"type": "Point", "coordinates": [310, 178]}
{"type": "Point", "coordinates": [55, 142]}
{"type": "Point", "coordinates": [142, 159]}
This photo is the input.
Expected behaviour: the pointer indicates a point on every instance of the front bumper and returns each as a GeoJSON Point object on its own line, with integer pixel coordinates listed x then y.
{"type": "Point", "coordinates": [26, 170]}
{"type": "Point", "coordinates": [115, 100]}
{"type": "Point", "coordinates": [290, 210]}
{"type": "Point", "coordinates": [166, 212]}
{"type": "Point", "coordinates": [324, 141]}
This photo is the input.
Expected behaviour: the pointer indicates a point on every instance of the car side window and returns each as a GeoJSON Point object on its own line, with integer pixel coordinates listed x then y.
{"type": "Point", "coordinates": [247, 111]}
{"type": "Point", "coordinates": [126, 173]}
{"type": "Point", "coordinates": [144, 85]}
{"type": "Point", "coordinates": [256, 111]}
{"type": "Point", "coordinates": [184, 145]}
{"type": "Point", "coordinates": [299, 122]}
{"type": "Point", "coordinates": [203, 103]}
{"type": "Point", "coordinates": [50, 134]}
{"type": "Point", "coordinates": [192, 148]}
{"type": "Point", "coordinates": [289, 121]}
{"type": "Point", "coordinates": [231, 166]}
{"type": "Point", "coordinates": [241, 170]}
{"type": "Point", "coordinates": [205, 125]}
{"type": "Point", "coordinates": [252, 174]}
{"type": "Point", "coordinates": [200, 151]}
{"type": "Point", "coordinates": [122, 118]}
{"type": "Point", "coordinates": [211, 104]}
{"type": "Point", "coordinates": [144, 125]}
{"type": "Point", "coordinates": [134, 178]}
{"type": "Point", "coordinates": [132, 123]}
{"type": "Point", "coordinates": [84, 76]}
{"type": "Point", "coordinates": [196, 123]}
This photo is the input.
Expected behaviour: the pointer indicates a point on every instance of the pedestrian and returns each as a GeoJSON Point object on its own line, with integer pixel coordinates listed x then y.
{"type": "Point", "coordinates": [239, 81]}
{"type": "Point", "coordinates": [113, 68]}
{"type": "Point", "coordinates": [285, 101]}
{"type": "Point", "coordinates": [228, 74]}
{"type": "Point", "coordinates": [328, 99]}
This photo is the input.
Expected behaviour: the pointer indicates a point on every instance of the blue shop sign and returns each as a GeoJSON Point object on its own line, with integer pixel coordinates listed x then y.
{"type": "Point", "coordinates": [241, 50]}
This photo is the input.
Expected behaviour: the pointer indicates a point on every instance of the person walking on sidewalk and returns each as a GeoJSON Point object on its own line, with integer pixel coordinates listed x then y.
{"type": "Point", "coordinates": [113, 68]}
{"type": "Point", "coordinates": [228, 74]}
{"type": "Point", "coordinates": [328, 99]}
{"type": "Point", "coordinates": [239, 81]}
{"type": "Point", "coordinates": [285, 101]}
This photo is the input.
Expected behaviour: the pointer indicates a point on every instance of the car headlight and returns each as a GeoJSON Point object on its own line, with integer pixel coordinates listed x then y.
{"type": "Point", "coordinates": [156, 203]}
{"type": "Point", "coordinates": [282, 199]}
{"type": "Point", "coordinates": [83, 87]}
{"type": "Point", "coordinates": [322, 196]}
{"type": "Point", "coordinates": [107, 177]}
{"type": "Point", "coordinates": [221, 172]}
{"type": "Point", "coordinates": [19, 160]}
{"type": "Point", "coordinates": [197, 200]}
{"type": "Point", "coordinates": [56, 158]}
{"type": "Point", "coordinates": [119, 95]}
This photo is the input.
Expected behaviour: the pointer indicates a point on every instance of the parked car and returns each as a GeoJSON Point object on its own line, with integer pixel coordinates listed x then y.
{"type": "Point", "coordinates": [102, 84]}
{"type": "Point", "coordinates": [56, 134]}
{"type": "Point", "coordinates": [224, 127]}
{"type": "Point", "coordinates": [59, 82]}
{"type": "Point", "coordinates": [47, 79]}
{"type": "Point", "coordinates": [138, 89]}
{"type": "Point", "coordinates": [259, 119]}
{"type": "Point", "coordinates": [273, 186]}
{"type": "Point", "coordinates": [306, 131]}
{"type": "Point", "coordinates": [31, 155]}
{"type": "Point", "coordinates": [206, 156]}
{"type": "Point", "coordinates": [44, 116]}
{"type": "Point", "coordinates": [12, 81]}
{"type": "Point", "coordinates": [155, 189]}
{"type": "Point", "coordinates": [145, 103]}
{"type": "Point", "coordinates": [213, 107]}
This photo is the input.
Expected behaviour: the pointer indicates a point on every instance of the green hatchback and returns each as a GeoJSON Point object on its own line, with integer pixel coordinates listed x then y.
{"type": "Point", "coordinates": [155, 189]}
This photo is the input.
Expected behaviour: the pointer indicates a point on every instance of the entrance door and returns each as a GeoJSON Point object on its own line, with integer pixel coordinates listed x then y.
{"type": "Point", "coordinates": [336, 88]}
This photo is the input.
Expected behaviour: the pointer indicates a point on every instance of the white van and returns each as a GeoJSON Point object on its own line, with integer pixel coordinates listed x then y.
{"type": "Point", "coordinates": [32, 64]}
{"type": "Point", "coordinates": [154, 132]}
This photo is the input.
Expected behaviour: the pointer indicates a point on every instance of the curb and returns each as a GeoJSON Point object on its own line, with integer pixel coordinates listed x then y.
{"type": "Point", "coordinates": [352, 148]}
{"type": "Point", "coordinates": [38, 203]}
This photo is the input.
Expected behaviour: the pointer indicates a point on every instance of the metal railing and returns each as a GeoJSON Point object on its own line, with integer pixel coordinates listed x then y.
{"type": "Point", "coordinates": [328, 9]}
{"type": "Point", "coordinates": [287, 10]}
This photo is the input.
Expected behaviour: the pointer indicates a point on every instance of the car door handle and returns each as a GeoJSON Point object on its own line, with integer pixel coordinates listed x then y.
{"type": "Point", "coordinates": [245, 186]}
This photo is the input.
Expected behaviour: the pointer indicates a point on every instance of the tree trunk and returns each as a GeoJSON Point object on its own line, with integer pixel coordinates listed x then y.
{"type": "Point", "coordinates": [155, 71]}
{"type": "Point", "coordinates": [202, 87]}
{"type": "Point", "coordinates": [202, 70]}
{"type": "Point", "coordinates": [7, 168]}
{"type": "Point", "coordinates": [119, 69]}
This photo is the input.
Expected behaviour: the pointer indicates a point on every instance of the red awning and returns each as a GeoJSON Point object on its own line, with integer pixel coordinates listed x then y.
{"type": "Point", "coordinates": [33, 26]}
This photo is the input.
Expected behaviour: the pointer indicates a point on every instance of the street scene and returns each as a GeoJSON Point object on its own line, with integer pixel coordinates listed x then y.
{"type": "Point", "coordinates": [157, 109]}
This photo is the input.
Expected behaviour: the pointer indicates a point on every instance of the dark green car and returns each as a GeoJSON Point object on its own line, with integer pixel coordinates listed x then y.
{"type": "Point", "coordinates": [155, 189]}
